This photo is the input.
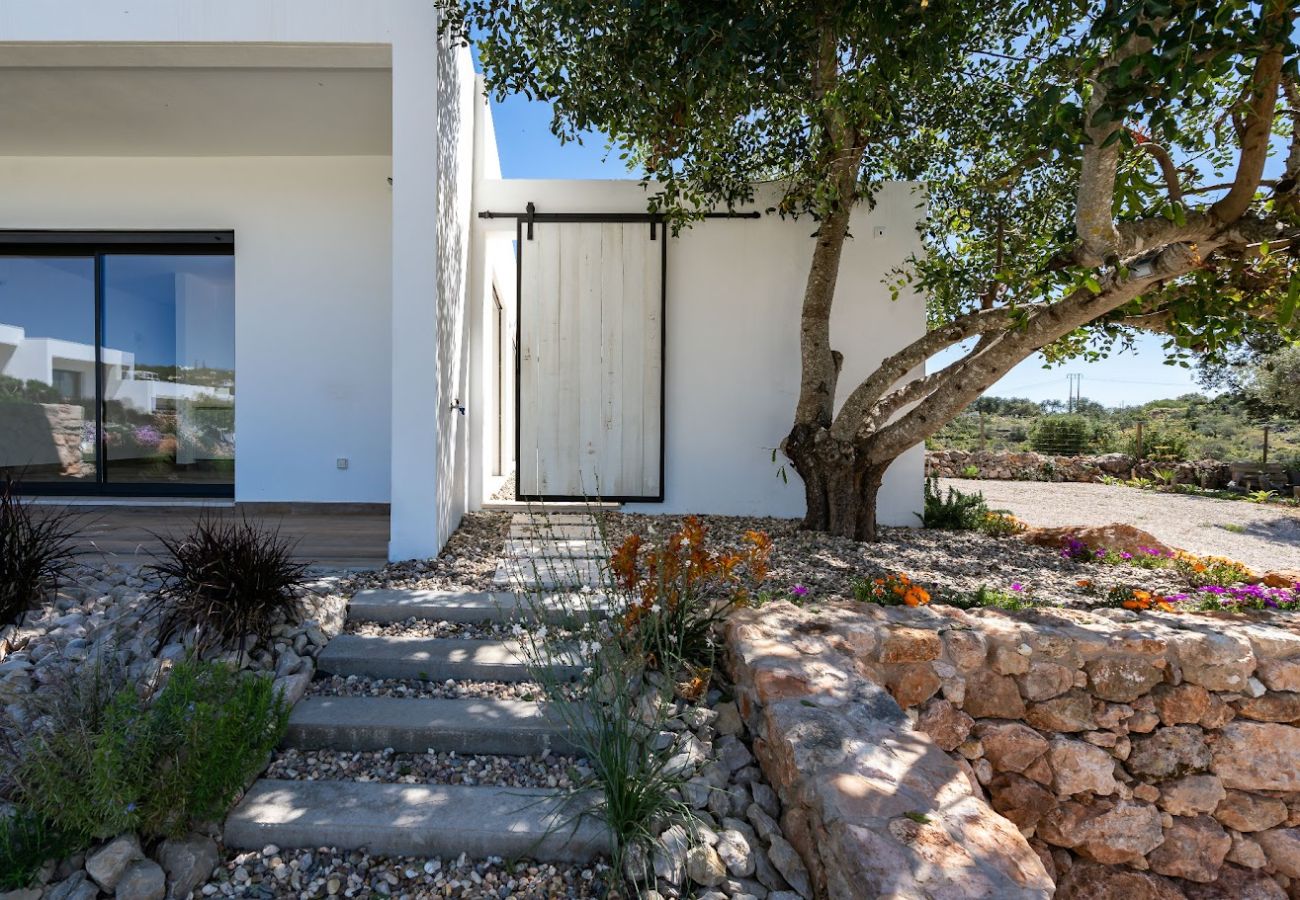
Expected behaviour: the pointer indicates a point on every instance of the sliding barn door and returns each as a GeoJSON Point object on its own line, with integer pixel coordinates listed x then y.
{"type": "Point", "coordinates": [591, 306]}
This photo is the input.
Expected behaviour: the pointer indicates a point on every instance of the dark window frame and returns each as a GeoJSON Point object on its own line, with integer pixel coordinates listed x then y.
{"type": "Point", "coordinates": [97, 244]}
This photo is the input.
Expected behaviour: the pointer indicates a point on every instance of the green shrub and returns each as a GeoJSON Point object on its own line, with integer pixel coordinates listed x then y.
{"type": "Point", "coordinates": [155, 766]}
{"type": "Point", "coordinates": [225, 580]}
{"type": "Point", "coordinates": [955, 511]}
{"type": "Point", "coordinates": [27, 843]}
{"type": "Point", "coordinates": [35, 551]}
{"type": "Point", "coordinates": [991, 598]}
{"type": "Point", "coordinates": [1000, 523]}
{"type": "Point", "coordinates": [1065, 435]}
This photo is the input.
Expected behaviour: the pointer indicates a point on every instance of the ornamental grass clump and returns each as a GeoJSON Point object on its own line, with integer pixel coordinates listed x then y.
{"type": "Point", "coordinates": [224, 581]}
{"type": "Point", "coordinates": [679, 591]}
{"type": "Point", "coordinates": [27, 843]}
{"type": "Point", "coordinates": [621, 660]}
{"type": "Point", "coordinates": [104, 759]}
{"type": "Point", "coordinates": [36, 548]}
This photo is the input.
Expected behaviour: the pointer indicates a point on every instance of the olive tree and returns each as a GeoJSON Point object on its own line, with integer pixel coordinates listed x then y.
{"type": "Point", "coordinates": [1092, 168]}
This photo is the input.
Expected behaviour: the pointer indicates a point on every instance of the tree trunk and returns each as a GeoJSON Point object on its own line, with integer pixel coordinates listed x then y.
{"type": "Point", "coordinates": [840, 486]}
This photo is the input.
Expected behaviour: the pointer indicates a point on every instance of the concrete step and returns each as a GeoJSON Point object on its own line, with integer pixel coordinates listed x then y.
{"type": "Point", "coordinates": [553, 518]}
{"type": "Point", "coordinates": [548, 574]}
{"type": "Point", "coordinates": [555, 548]}
{"type": "Point", "coordinates": [399, 605]}
{"type": "Point", "coordinates": [414, 820]}
{"type": "Point", "coordinates": [549, 532]}
{"type": "Point", "coordinates": [546, 509]}
{"type": "Point", "coordinates": [499, 727]}
{"type": "Point", "coordinates": [427, 659]}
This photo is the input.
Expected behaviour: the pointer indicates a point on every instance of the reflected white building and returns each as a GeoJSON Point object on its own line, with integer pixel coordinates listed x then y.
{"type": "Point", "coordinates": [69, 367]}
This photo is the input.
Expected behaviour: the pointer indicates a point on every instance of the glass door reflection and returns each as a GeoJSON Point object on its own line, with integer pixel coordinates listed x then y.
{"type": "Point", "coordinates": [168, 368]}
{"type": "Point", "coordinates": [47, 369]}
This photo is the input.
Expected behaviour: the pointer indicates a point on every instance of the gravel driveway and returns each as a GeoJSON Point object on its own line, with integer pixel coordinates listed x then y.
{"type": "Point", "coordinates": [1263, 537]}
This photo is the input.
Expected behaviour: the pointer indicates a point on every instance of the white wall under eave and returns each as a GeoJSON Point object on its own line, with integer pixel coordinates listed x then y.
{"type": "Point", "coordinates": [732, 352]}
{"type": "Point", "coordinates": [312, 287]}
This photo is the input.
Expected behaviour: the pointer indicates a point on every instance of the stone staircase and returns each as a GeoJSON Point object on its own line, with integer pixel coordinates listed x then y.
{"type": "Point", "coordinates": [403, 819]}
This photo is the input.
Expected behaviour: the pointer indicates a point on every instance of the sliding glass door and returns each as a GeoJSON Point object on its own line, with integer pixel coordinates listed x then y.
{"type": "Point", "coordinates": [117, 362]}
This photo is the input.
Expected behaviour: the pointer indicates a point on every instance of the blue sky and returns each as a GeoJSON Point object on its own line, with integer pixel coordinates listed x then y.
{"type": "Point", "coordinates": [529, 150]}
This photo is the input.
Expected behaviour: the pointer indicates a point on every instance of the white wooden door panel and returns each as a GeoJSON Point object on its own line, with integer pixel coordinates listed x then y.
{"type": "Point", "coordinates": [591, 361]}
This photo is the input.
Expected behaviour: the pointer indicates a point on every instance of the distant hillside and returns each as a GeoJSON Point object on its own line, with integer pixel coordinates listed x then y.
{"type": "Point", "coordinates": [1189, 427]}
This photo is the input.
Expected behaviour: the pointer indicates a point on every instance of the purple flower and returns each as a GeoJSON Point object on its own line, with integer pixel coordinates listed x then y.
{"type": "Point", "coordinates": [1126, 555]}
{"type": "Point", "coordinates": [1017, 586]}
{"type": "Point", "coordinates": [799, 590]}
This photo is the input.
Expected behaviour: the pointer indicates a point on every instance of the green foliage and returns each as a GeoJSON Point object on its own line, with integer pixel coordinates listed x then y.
{"type": "Point", "coordinates": [13, 390]}
{"type": "Point", "coordinates": [954, 511]}
{"type": "Point", "coordinates": [970, 472]}
{"type": "Point", "coordinates": [27, 843]}
{"type": "Point", "coordinates": [1189, 427]}
{"type": "Point", "coordinates": [990, 598]}
{"type": "Point", "coordinates": [1067, 435]}
{"type": "Point", "coordinates": [108, 760]}
{"type": "Point", "coordinates": [1260, 496]}
{"type": "Point", "coordinates": [1273, 383]}
{"type": "Point", "coordinates": [225, 580]}
{"type": "Point", "coordinates": [1000, 523]}
{"type": "Point", "coordinates": [36, 547]}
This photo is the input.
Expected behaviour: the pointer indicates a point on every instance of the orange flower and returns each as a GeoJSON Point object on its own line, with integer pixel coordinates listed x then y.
{"type": "Point", "coordinates": [916, 596]}
{"type": "Point", "coordinates": [1083, 583]}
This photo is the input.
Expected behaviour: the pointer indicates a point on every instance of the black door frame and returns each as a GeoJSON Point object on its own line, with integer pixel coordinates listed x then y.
{"type": "Point", "coordinates": [96, 245]}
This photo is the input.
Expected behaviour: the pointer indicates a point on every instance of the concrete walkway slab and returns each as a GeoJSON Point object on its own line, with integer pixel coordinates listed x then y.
{"type": "Point", "coordinates": [499, 727]}
{"type": "Point", "coordinates": [400, 605]}
{"type": "Point", "coordinates": [426, 659]}
{"type": "Point", "coordinates": [414, 820]}
{"type": "Point", "coordinates": [549, 574]}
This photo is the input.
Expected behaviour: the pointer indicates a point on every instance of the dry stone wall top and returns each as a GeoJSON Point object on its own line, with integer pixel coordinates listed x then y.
{"type": "Point", "coordinates": [982, 753]}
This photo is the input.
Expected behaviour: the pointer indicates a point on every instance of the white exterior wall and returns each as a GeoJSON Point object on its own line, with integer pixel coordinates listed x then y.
{"type": "Point", "coordinates": [404, 349]}
{"type": "Point", "coordinates": [312, 287]}
{"type": "Point", "coordinates": [732, 354]}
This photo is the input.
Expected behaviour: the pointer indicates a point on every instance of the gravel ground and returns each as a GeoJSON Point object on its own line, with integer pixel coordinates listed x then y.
{"type": "Point", "coordinates": [273, 873]}
{"type": "Point", "coordinates": [1261, 536]}
{"type": "Point", "coordinates": [387, 766]}
{"type": "Point", "coordinates": [467, 563]}
{"type": "Point", "coordinates": [944, 561]}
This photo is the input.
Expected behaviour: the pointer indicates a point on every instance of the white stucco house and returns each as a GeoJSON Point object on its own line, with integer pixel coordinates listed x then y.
{"type": "Point", "coordinates": [283, 224]}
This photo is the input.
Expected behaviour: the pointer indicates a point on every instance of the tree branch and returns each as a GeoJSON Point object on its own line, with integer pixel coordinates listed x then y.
{"type": "Point", "coordinates": [1094, 214]}
{"type": "Point", "coordinates": [1257, 127]}
{"type": "Point", "coordinates": [961, 383]}
{"type": "Point", "coordinates": [1167, 168]}
{"type": "Point", "coordinates": [894, 367]}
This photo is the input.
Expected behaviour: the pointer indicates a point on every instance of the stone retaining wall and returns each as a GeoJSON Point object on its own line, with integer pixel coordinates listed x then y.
{"type": "Point", "coordinates": [1007, 466]}
{"type": "Point", "coordinates": [43, 438]}
{"type": "Point", "coordinates": [985, 753]}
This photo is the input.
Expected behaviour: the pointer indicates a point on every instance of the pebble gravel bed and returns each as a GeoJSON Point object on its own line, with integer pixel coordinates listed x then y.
{"type": "Point", "coordinates": [467, 563]}
{"type": "Point", "coordinates": [413, 688]}
{"type": "Point", "coordinates": [944, 561]}
{"type": "Point", "coordinates": [389, 767]}
{"type": "Point", "coordinates": [275, 873]}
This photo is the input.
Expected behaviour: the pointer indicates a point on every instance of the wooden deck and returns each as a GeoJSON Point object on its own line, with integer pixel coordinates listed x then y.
{"type": "Point", "coordinates": [334, 538]}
